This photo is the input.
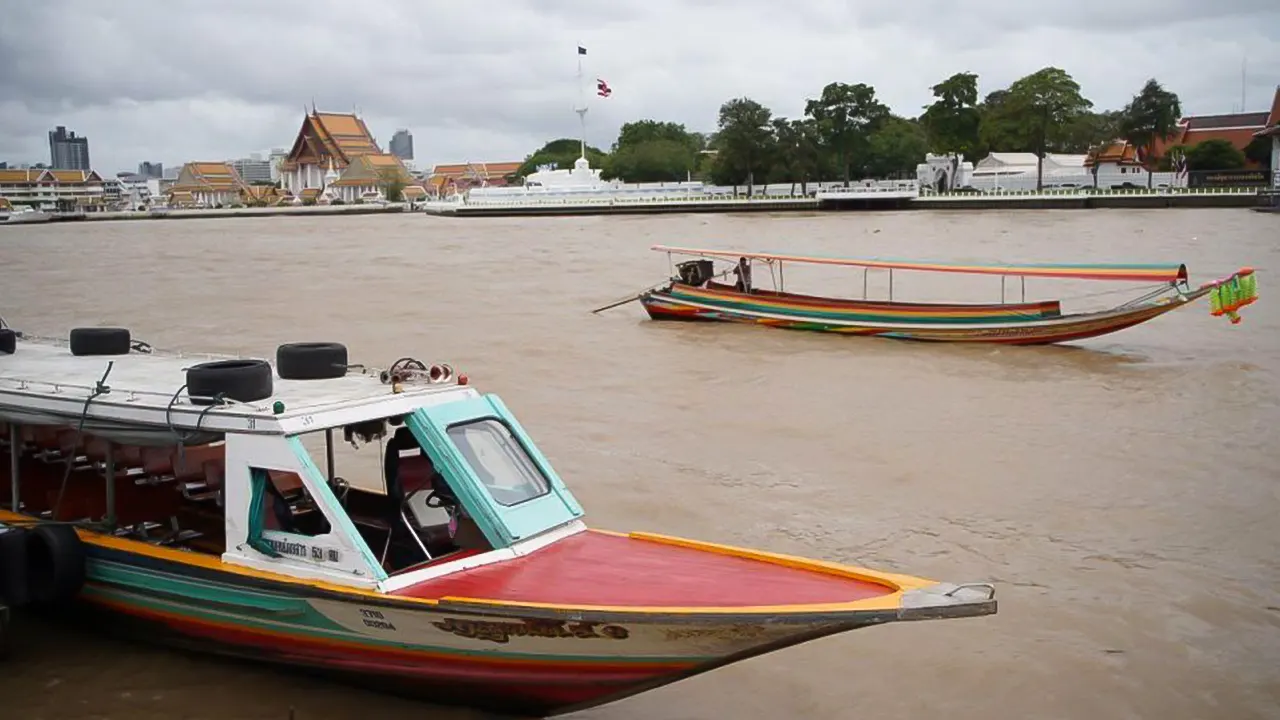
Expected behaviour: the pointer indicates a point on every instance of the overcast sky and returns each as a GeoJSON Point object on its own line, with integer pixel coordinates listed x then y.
{"type": "Point", "coordinates": [488, 80]}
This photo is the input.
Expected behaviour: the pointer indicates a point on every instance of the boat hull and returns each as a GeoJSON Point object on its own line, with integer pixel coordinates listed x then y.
{"type": "Point", "coordinates": [1000, 324]}
{"type": "Point", "coordinates": [533, 664]}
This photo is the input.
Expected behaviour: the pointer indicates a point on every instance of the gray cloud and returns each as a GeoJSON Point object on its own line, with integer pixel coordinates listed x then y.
{"type": "Point", "coordinates": [493, 79]}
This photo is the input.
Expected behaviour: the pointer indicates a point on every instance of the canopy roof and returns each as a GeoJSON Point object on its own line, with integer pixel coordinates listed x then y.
{"type": "Point", "coordinates": [1146, 272]}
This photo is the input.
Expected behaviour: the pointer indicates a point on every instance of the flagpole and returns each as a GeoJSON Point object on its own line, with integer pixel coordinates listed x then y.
{"type": "Point", "coordinates": [582, 104]}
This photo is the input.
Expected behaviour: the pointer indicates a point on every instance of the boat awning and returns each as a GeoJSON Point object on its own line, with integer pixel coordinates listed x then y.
{"type": "Point", "coordinates": [1142, 272]}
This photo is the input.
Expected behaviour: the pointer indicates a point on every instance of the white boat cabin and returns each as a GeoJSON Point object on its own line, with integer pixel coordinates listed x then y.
{"type": "Point", "coordinates": [261, 466]}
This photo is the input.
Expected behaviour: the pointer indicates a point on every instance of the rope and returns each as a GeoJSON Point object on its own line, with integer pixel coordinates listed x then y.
{"type": "Point", "coordinates": [100, 388]}
{"type": "Point", "coordinates": [218, 399]}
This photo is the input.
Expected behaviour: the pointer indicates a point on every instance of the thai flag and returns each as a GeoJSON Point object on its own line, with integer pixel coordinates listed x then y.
{"type": "Point", "coordinates": [602, 88]}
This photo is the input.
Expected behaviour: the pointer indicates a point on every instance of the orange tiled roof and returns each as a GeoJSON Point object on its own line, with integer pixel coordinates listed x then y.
{"type": "Point", "coordinates": [209, 176]}
{"type": "Point", "coordinates": [340, 136]}
{"type": "Point", "coordinates": [26, 176]}
{"type": "Point", "coordinates": [75, 176]}
{"type": "Point", "coordinates": [479, 170]}
{"type": "Point", "coordinates": [1118, 151]}
{"type": "Point", "coordinates": [366, 169]}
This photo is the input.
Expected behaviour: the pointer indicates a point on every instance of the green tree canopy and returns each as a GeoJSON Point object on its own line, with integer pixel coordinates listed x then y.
{"type": "Point", "coordinates": [561, 153]}
{"type": "Point", "coordinates": [1216, 154]}
{"type": "Point", "coordinates": [653, 151]}
{"type": "Point", "coordinates": [1151, 115]}
{"type": "Point", "coordinates": [1035, 114]}
{"type": "Point", "coordinates": [1259, 150]}
{"type": "Point", "coordinates": [896, 148]}
{"type": "Point", "coordinates": [846, 116]}
{"type": "Point", "coordinates": [744, 142]}
{"type": "Point", "coordinates": [952, 122]}
{"type": "Point", "coordinates": [798, 156]}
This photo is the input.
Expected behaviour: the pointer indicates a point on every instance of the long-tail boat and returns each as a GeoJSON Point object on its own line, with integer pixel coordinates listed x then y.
{"type": "Point", "coordinates": [694, 293]}
{"type": "Point", "coordinates": [179, 497]}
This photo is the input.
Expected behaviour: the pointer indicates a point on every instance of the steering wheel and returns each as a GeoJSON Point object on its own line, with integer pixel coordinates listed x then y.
{"type": "Point", "coordinates": [340, 487]}
{"type": "Point", "coordinates": [440, 500]}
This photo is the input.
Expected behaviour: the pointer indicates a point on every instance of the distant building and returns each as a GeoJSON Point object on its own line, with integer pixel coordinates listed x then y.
{"type": "Point", "coordinates": [151, 169]}
{"type": "Point", "coordinates": [206, 184]}
{"type": "Point", "coordinates": [253, 169]}
{"type": "Point", "coordinates": [44, 189]}
{"type": "Point", "coordinates": [402, 144]}
{"type": "Point", "coordinates": [449, 179]}
{"type": "Point", "coordinates": [1272, 130]}
{"type": "Point", "coordinates": [335, 158]}
{"type": "Point", "coordinates": [66, 151]}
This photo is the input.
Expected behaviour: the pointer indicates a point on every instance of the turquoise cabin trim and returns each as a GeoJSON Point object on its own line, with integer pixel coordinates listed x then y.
{"type": "Point", "coordinates": [501, 524]}
{"type": "Point", "coordinates": [325, 496]}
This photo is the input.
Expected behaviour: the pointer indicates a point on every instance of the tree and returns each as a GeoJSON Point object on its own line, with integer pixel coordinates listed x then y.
{"type": "Point", "coordinates": [392, 182]}
{"type": "Point", "coordinates": [896, 148]}
{"type": "Point", "coordinates": [1152, 115]}
{"type": "Point", "coordinates": [643, 131]}
{"type": "Point", "coordinates": [1259, 151]}
{"type": "Point", "coordinates": [1216, 154]}
{"type": "Point", "coordinates": [1037, 111]}
{"type": "Point", "coordinates": [952, 123]}
{"type": "Point", "coordinates": [651, 161]}
{"type": "Point", "coordinates": [652, 151]}
{"type": "Point", "coordinates": [846, 116]}
{"type": "Point", "coordinates": [560, 153]}
{"type": "Point", "coordinates": [744, 142]}
{"type": "Point", "coordinates": [798, 153]}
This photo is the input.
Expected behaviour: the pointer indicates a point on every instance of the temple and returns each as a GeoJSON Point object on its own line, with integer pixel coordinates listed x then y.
{"type": "Point", "coordinates": [335, 158]}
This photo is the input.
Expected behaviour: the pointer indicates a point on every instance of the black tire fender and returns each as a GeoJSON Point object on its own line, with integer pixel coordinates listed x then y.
{"type": "Point", "coordinates": [311, 360]}
{"type": "Point", "coordinates": [8, 341]}
{"type": "Point", "coordinates": [245, 380]}
{"type": "Point", "coordinates": [55, 564]}
{"type": "Point", "coordinates": [100, 341]}
{"type": "Point", "coordinates": [13, 567]}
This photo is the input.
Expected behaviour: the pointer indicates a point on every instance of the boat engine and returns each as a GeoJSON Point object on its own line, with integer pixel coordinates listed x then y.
{"type": "Point", "coordinates": [695, 272]}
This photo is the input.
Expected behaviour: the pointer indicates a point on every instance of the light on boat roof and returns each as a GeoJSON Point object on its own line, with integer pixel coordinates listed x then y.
{"type": "Point", "coordinates": [278, 407]}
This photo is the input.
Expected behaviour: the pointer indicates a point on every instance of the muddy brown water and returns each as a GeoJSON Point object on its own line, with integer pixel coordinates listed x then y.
{"type": "Point", "coordinates": [1123, 494]}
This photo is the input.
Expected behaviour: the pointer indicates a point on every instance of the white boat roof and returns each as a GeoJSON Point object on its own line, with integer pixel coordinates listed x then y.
{"type": "Point", "coordinates": [43, 383]}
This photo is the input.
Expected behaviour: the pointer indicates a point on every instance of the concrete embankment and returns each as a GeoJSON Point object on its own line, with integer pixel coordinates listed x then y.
{"type": "Point", "coordinates": [292, 211]}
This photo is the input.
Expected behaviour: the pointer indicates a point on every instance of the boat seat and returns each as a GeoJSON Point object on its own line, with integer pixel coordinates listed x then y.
{"type": "Point", "coordinates": [124, 456]}
{"type": "Point", "coordinates": [414, 473]}
{"type": "Point", "coordinates": [209, 487]}
{"type": "Point", "coordinates": [44, 437]}
{"type": "Point", "coordinates": [86, 497]}
{"type": "Point", "coordinates": [288, 483]}
{"type": "Point", "coordinates": [185, 464]}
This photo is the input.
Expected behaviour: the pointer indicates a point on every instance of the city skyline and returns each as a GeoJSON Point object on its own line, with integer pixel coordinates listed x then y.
{"type": "Point", "coordinates": [505, 95]}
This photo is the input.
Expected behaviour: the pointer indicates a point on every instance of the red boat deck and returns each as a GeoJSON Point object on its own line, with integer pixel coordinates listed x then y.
{"type": "Point", "coordinates": [597, 568]}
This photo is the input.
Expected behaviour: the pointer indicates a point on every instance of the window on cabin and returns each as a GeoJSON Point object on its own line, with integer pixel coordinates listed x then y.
{"type": "Point", "coordinates": [499, 461]}
{"type": "Point", "coordinates": [281, 503]}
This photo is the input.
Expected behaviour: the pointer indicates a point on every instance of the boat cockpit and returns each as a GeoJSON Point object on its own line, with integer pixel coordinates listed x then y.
{"type": "Point", "coordinates": [454, 478]}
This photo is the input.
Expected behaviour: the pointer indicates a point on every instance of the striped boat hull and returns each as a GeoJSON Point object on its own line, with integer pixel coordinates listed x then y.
{"type": "Point", "coordinates": [494, 660]}
{"type": "Point", "coordinates": [1012, 324]}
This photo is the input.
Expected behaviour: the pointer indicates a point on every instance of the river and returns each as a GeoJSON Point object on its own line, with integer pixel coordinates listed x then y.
{"type": "Point", "coordinates": [1122, 493]}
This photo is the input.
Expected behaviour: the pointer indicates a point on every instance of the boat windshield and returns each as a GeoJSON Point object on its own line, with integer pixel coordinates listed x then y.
{"type": "Point", "coordinates": [499, 461]}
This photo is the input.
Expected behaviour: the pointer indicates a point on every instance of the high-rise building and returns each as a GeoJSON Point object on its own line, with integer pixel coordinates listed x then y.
{"type": "Point", "coordinates": [68, 152]}
{"type": "Point", "coordinates": [402, 144]}
{"type": "Point", "coordinates": [253, 169]}
{"type": "Point", "coordinates": [149, 169]}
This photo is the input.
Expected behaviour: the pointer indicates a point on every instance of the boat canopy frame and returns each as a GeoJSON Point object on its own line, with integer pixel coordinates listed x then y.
{"type": "Point", "coordinates": [1166, 274]}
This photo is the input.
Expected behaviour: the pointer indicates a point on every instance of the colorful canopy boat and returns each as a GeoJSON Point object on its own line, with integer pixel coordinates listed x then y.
{"type": "Point", "coordinates": [180, 498]}
{"type": "Point", "coordinates": [693, 293]}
